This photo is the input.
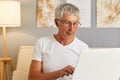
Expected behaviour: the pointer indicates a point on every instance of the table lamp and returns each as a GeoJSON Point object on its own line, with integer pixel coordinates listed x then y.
{"type": "Point", "coordinates": [10, 16]}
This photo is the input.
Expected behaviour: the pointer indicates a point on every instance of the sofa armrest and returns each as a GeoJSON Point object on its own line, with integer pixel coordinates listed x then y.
{"type": "Point", "coordinates": [23, 63]}
{"type": "Point", "coordinates": [20, 75]}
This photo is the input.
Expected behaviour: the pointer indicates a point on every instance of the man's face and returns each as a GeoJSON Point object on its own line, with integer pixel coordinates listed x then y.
{"type": "Point", "coordinates": [68, 25]}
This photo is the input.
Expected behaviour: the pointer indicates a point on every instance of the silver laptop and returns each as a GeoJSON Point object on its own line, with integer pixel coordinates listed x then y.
{"type": "Point", "coordinates": [98, 64]}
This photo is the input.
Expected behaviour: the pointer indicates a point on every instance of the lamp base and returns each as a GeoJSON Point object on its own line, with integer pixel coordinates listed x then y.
{"type": "Point", "coordinates": [3, 72]}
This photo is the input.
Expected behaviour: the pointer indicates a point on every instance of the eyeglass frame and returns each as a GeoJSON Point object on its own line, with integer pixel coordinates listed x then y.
{"type": "Point", "coordinates": [68, 23]}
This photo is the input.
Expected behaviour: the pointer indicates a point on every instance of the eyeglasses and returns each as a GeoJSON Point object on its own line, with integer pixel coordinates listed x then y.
{"type": "Point", "coordinates": [68, 23]}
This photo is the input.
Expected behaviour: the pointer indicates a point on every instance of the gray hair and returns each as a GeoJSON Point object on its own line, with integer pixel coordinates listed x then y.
{"type": "Point", "coordinates": [66, 7]}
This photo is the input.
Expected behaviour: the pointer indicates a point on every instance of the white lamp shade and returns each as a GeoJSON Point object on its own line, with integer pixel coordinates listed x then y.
{"type": "Point", "coordinates": [10, 14]}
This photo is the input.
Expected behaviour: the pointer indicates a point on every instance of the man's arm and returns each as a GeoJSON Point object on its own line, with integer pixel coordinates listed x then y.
{"type": "Point", "coordinates": [36, 73]}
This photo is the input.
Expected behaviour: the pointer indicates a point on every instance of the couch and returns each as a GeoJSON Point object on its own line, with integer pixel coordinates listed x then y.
{"type": "Point", "coordinates": [23, 63]}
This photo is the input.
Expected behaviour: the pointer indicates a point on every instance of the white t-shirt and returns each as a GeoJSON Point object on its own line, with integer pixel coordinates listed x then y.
{"type": "Point", "coordinates": [55, 56]}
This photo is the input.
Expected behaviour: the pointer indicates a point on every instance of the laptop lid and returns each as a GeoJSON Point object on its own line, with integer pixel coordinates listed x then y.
{"type": "Point", "coordinates": [98, 64]}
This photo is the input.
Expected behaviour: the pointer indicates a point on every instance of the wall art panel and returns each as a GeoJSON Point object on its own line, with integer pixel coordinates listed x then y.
{"type": "Point", "coordinates": [45, 12]}
{"type": "Point", "coordinates": [108, 13]}
{"type": "Point", "coordinates": [85, 11]}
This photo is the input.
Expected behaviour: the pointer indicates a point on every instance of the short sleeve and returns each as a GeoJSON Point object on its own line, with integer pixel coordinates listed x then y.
{"type": "Point", "coordinates": [37, 53]}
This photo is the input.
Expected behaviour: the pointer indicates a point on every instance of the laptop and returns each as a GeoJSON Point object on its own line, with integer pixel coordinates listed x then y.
{"type": "Point", "coordinates": [98, 64]}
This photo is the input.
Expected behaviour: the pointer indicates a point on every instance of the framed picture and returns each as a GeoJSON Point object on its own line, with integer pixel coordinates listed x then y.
{"type": "Point", "coordinates": [108, 13]}
{"type": "Point", "coordinates": [45, 12]}
{"type": "Point", "coordinates": [85, 11]}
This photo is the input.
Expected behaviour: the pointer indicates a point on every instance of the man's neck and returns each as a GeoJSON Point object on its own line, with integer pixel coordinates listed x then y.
{"type": "Point", "coordinates": [62, 40]}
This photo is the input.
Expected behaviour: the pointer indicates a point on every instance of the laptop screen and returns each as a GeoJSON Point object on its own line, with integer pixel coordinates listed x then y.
{"type": "Point", "coordinates": [98, 64]}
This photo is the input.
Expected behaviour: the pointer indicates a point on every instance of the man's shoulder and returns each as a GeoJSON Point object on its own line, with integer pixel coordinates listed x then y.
{"type": "Point", "coordinates": [81, 43]}
{"type": "Point", "coordinates": [46, 37]}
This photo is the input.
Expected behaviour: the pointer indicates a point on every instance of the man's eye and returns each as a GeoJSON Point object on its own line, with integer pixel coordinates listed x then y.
{"type": "Point", "coordinates": [75, 23]}
{"type": "Point", "coordinates": [66, 22]}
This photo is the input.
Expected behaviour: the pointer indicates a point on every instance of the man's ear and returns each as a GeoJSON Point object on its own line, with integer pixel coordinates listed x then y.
{"type": "Point", "coordinates": [56, 22]}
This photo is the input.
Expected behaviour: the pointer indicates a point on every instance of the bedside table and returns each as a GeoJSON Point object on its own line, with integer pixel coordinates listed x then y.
{"type": "Point", "coordinates": [3, 72]}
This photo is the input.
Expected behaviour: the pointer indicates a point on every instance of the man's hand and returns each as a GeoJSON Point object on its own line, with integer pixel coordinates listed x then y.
{"type": "Point", "coordinates": [66, 71]}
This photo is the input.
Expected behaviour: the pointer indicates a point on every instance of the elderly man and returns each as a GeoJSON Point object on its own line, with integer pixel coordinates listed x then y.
{"type": "Point", "coordinates": [55, 56]}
